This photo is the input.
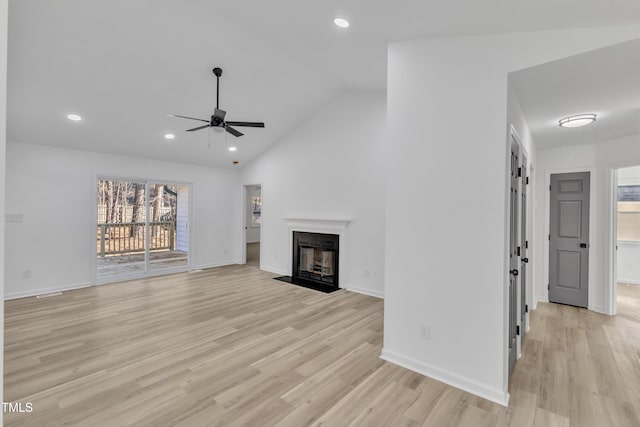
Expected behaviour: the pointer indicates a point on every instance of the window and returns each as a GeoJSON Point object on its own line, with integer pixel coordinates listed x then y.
{"type": "Point", "coordinates": [256, 211]}
{"type": "Point", "coordinates": [629, 212]}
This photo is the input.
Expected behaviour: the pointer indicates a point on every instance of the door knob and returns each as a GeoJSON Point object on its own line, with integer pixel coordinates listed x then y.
{"type": "Point", "coordinates": [515, 272]}
{"type": "Point", "coordinates": [525, 259]}
{"type": "Point", "coordinates": [584, 245]}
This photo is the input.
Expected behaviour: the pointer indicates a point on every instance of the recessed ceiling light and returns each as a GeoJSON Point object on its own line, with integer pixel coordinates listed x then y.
{"type": "Point", "coordinates": [341, 22]}
{"type": "Point", "coordinates": [169, 136]}
{"type": "Point", "coordinates": [577, 120]}
{"type": "Point", "coordinates": [74, 117]}
{"type": "Point", "coordinates": [232, 148]}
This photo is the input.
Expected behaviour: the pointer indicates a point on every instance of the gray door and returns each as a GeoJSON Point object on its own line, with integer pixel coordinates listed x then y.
{"type": "Point", "coordinates": [514, 262]}
{"type": "Point", "coordinates": [569, 239]}
{"type": "Point", "coordinates": [524, 249]}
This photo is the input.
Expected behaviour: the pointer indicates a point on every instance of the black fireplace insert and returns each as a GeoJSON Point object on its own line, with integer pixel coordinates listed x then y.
{"type": "Point", "coordinates": [315, 261]}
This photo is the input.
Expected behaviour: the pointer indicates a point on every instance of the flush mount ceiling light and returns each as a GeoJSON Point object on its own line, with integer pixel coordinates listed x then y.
{"type": "Point", "coordinates": [341, 22]}
{"type": "Point", "coordinates": [577, 120]}
{"type": "Point", "coordinates": [232, 148]}
{"type": "Point", "coordinates": [74, 117]}
{"type": "Point", "coordinates": [169, 136]}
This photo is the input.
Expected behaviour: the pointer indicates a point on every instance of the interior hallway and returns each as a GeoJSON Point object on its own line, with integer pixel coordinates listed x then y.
{"type": "Point", "coordinates": [253, 254]}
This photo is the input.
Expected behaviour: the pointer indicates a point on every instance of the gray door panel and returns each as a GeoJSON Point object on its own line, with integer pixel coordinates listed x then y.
{"type": "Point", "coordinates": [514, 262]}
{"type": "Point", "coordinates": [569, 239]}
{"type": "Point", "coordinates": [524, 258]}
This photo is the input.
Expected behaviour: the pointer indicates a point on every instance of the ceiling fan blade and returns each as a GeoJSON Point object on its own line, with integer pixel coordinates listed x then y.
{"type": "Point", "coordinates": [185, 117]}
{"type": "Point", "coordinates": [247, 124]}
{"type": "Point", "coordinates": [233, 131]}
{"type": "Point", "coordinates": [198, 128]}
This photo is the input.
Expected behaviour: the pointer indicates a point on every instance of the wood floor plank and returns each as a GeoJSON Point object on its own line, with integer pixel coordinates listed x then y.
{"type": "Point", "coordinates": [230, 346]}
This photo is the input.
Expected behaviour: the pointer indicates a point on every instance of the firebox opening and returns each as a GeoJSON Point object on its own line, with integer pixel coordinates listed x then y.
{"type": "Point", "coordinates": [315, 261]}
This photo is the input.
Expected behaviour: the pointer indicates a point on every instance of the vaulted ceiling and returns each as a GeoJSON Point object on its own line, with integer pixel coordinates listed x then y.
{"type": "Point", "coordinates": [124, 64]}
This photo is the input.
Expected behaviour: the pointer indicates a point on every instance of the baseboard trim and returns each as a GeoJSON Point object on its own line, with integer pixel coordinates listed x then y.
{"type": "Point", "coordinates": [497, 396]}
{"type": "Point", "coordinates": [213, 265]}
{"type": "Point", "coordinates": [44, 291]}
{"type": "Point", "coordinates": [365, 291]}
{"type": "Point", "coordinates": [542, 298]}
{"type": "Point", "coordinates": [273, 270]}
{"type": "Point", "coordinates": [600, 309]}
{"type": "Point", "coordinates": [629, 281]}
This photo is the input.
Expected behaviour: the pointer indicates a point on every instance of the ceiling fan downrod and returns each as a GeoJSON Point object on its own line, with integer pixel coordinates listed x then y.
{"type": "Point", "coordinates": [218, 72]}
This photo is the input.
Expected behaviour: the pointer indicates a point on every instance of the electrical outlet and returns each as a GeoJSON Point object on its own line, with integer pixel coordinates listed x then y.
{"type": "Point", "coordinates": [26, 273]}
{"type": "Point", "coordinates": [367, 274]}
{"type": "Point", "coordinates": [425, 331]}
{"type": "Point", "coordinates": [225, 251]}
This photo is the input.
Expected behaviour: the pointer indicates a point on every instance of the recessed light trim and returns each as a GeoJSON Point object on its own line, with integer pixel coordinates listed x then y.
{"type": "Point", "coordinates": [169, 136]}
{"type": "Point", "coordinates": [74, 117]}
{"type": "Point", "coordinates": [577, 121]}
{"type": "Point", "coordinates": [341, 22]}
{"type": "Point", "coordinates": [232, 148]}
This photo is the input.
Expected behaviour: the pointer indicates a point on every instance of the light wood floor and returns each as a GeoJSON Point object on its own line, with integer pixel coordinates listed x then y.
{"type": "Point", "coordinates": [230, 346]}
{"type": "Point", "coordinates": [253, 254]}
{"type": "Point", "coordinates": [629, 301]}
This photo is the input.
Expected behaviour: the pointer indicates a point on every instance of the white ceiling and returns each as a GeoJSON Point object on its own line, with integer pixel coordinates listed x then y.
{"type": "Point", "coordinates": [124, 64]}
{"type": "Point", "coordinates": [603, 81]}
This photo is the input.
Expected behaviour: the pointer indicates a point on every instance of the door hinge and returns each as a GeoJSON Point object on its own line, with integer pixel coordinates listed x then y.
{"type": "Point", "coordinates": [519, 172]}
{"type": "Point", "coordinates": [549, 236]}
{"type": "Point", "coordinates": [517, 329]}
{"type": "Point", "coordinates": [526, 308]}
{"type": "Point", "coordinates": [549, 187]}
{"type": "Point", "coordinates": [526, 244]}
{"type": "Point", "coordinates": [527, 180]}
{"type": "Point", "coordinates": [548, 287]}
{"type": "Point", "coordinates": [518, 251]}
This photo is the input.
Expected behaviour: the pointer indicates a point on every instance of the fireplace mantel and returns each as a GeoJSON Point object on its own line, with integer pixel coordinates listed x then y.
{"type": "Point", "coordinates": [337, 226]}
{"type": "Point", "coordinates": [317, 225]}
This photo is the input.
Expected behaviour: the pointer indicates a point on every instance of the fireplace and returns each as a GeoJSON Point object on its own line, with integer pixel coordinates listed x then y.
{"type": "Point", "coordinates": [317, 252]}
{"type": "Point", "coordinates": [315, 258]}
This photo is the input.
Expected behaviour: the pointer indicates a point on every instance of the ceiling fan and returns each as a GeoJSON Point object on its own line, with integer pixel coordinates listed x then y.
{"type": "Point", "coordinates": [217, 119]}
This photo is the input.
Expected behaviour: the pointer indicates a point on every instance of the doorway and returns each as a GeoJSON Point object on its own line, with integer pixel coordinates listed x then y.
{"type": "Point", "coordinates": [253, 224]}
{"type": "Point", "coordinates": [628, 243]}
{"type": "Point", "coordinates": [569, 238]}
{"type": "Point", "coordinates": [142, 228]}
{"type": "Point", "coordinates": [519, 170]}
{"type": "Point", "coordinates": [514, 262]}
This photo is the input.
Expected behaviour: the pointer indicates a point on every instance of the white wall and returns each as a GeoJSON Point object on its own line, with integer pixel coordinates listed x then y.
{"type": "Point", "coordinates": [253, 231]}
{"type": "Point", "coordinates": [629, 176]}
{"type": "Point", "coordinates": [447, 150]}
{"type": "Point", "coordinates": [54, 190]}
{"type": "Point", "coordinates": [629, 261]}
{"type": "Point", "coordinates": [600, 159]}
{"type": "Point", "coordinates": [3, 140]}
{"type": "Point", "coordinates": [628, 254]}
{"type": "Point", "coordinates": [330, 167]}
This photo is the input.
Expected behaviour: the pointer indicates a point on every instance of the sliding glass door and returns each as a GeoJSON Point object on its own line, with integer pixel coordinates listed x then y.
{"type": "Point", "coordinates": [142, 228]}
{"type": "Point", "coordinates": [168, 226]}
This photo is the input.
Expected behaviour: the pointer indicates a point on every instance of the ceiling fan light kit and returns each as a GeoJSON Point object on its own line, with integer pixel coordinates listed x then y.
{"type": "Point", "coordinates": [217, 121]}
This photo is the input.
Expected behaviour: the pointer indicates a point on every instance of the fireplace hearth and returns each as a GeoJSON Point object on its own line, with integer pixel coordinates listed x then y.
{"type": "Point", "coordinates": [315, 261]}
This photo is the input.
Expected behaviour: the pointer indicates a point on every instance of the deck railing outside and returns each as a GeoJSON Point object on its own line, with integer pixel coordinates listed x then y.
{"type": "Point", "coordinates": [130, 238]}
